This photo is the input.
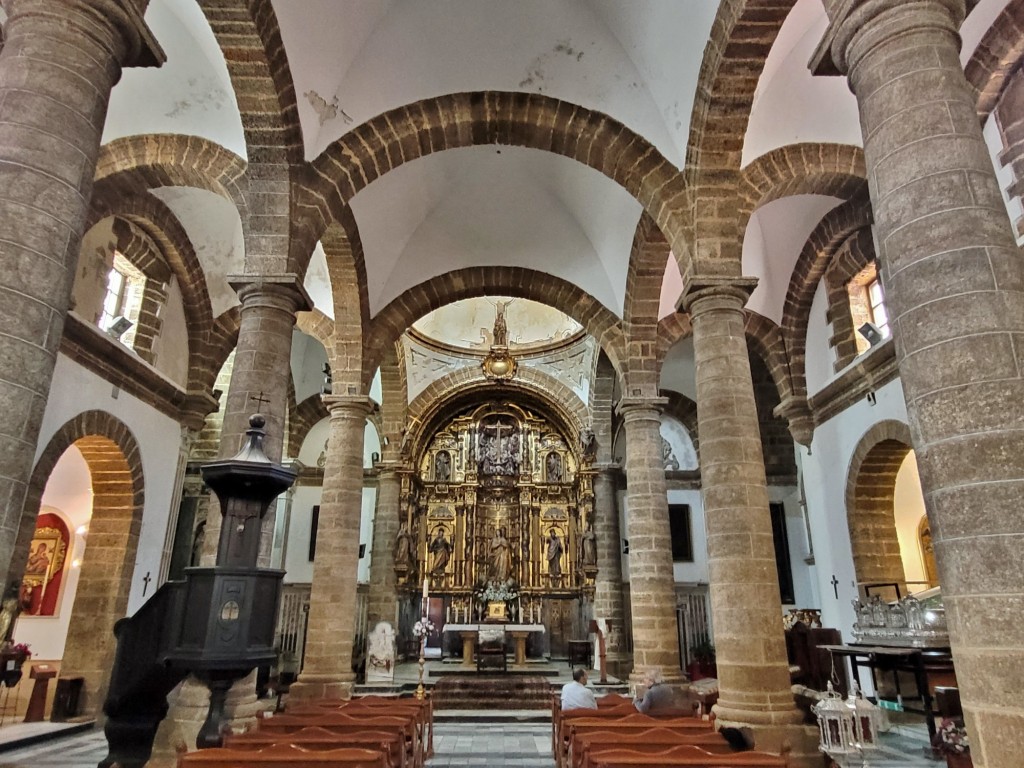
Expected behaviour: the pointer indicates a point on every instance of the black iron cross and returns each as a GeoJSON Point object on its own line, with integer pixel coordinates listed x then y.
{"type": "Point", "coordinates": [835, 585]}
{"type": "Point", "coordinates": [146, 579]}
{"type": "Point", "coordinates": [260, 400]}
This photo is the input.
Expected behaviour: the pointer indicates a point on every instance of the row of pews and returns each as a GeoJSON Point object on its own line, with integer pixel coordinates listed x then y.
{"type": "Point", "coordinates": [615, 735]}
{"type": "Point", "coordinates": [367, 732]}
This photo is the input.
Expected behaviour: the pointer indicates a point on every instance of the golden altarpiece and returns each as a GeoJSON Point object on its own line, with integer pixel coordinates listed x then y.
{"type": "Point", "coordinates": [499, 510]}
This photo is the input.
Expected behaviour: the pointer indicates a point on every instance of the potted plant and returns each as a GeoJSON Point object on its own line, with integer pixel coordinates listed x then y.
{"type": "Point", "coordinates": [951, 741]}
{"type": "Point", "coordinates": [12, 658]}
{"type": "Point", "coordinates": [703, 661]}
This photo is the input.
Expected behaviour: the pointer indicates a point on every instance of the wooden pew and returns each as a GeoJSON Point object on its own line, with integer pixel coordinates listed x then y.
{"type": "Point", "coordinates": [625, 724]}
{"type": "Point", "coordinates": [390, 742]}
{"type": "Point", "coordinates": [423, 711]}
{"type": "Point", "coordinates": [283, 756]}
{"type": "Point", "coordinates": [656, 739]}
{"type": "Point", "coordinates": [559, 717]}
{"type": "Point", "coordinates": [340, 722]}
{"type": "Point", "coordinates": [684, 757]}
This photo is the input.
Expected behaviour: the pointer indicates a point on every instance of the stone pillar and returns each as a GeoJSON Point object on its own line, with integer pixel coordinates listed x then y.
{"type": "Point", "coordinates": [59, 61]}
{"type": "Point", "coordinates": [953, 279]}
{"type": "Point", "coordinates": [327, 672]}
{"type": "Point", "coordinates": [608, 587]}
{"type": "Point", "coordinates": [746, 608]}
{"type": "Point", "coordinates": [651, 581]}
{"type": "Point", "coordinates": [382, 600]}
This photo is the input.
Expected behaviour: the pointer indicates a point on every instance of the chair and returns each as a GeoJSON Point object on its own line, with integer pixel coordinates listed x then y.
{"type": "Point", "coordinates": [580, 652]}
{"type": "Point", "coordinates": [490, 650]}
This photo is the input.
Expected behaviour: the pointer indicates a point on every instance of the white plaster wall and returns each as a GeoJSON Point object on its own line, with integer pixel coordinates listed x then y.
{"type": "Point", "coordinates": [69, 495]}
{"type": "Point", "coordinates": [75, 390]}
{"type": "Point", "coordinates": [820, 357]}
{"type": "Point", "coordinates": [307, 362]}
{"type": "Point", "coordinates": [825, 470]}
{"type": "Point", "coordinates": [796, 535]}
{"type": "Point", "coordinates": [170, 347]}
{"type": "Point", "coordinates": [678, 372]}
{"type": "Point", "coordinates": [908, 503]}
{"type": "Point", "coordinates": [682, 445]}
{"type": "Point", "coordinates": [697, 571]}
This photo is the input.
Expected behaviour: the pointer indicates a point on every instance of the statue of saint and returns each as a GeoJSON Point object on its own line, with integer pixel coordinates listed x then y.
{"type": "Point", "coordinates": [499, 564]}
{"type": "Point", "coordinates": [588, 547]}
{"type": "Point", "coordinates": [404, 551]}
{"type": "Point", "coordinates": [441, 550]}
{"type": "Point", "coordinates": [554, 554]}
{"type": "Point", "coordinates": [442, 467]}
{"type": "Point", "coordinates": [554, 467]}
{"type": "Point", "coordinates": [588, 443]}
{"type": "Point", "coordinates": [9, 610]}
{"type": "Point", "coordinates": [500, 327]}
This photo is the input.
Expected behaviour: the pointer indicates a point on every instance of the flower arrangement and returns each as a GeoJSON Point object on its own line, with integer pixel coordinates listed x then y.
{"type": "Point", "coordinates": [21, 649]}
{"type": "Point", "coordinates": [423, 627]}
{"type": "Point", "coordinates": [952, 738]}
{"type": "Point", "coordinates": [497, 592]}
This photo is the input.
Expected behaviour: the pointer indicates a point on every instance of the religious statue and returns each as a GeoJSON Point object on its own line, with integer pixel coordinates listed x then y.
{"type": "Point", "coordinates": [498, 562]}
{"type": "Point", "coordinates": [9, 610]}
{"type": "Point", "coordinates": [588, 548]}
{"type": "Point", "coordinates": [668, 457]}
{"type": "Point", "coordinates": [500, 327]}
{"type": "Point", "coordinates": [554, 467]}
{"type": "Point", "coordinates": [404, 551]}
{"type": "Point", "coordinates": [588, 444]}
{"type": "Point", "coordinates": [499, 449]}
{"type": "Point", "coordinates": [554, 555]}
{"type": "Point", "coordinates": [441, 550]}
{"type": "Point", "coordinates": [442, 467]}
{"type": "Point", "coordinates": [405, 446]}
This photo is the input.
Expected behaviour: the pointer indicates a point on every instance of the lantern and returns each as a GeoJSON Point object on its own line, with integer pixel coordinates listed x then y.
{"type": "Point", "coordinates": [835, 724]}
{"type": "Point", "coordinates": [867, 719]}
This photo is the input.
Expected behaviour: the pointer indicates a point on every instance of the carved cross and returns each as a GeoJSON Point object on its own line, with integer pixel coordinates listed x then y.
{"type": "Point", "coordinates": [835, 585]}
{"type": "Point", "coordinates": [260, 400]}
{"type": "Point", "coordinates": [146, 579]}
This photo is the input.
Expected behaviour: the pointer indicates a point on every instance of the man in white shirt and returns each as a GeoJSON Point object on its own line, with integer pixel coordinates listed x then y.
{"type": "Point", "coordinates": [576, 695]}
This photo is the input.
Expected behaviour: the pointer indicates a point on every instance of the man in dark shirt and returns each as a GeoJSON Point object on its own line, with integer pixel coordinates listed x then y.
{"type": "Point", "coordinates": [658, 695]}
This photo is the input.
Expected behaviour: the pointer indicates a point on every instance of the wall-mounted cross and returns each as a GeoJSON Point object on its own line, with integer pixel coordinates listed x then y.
{"type": "Point", "coordinates": [835, 585]}
{"type": "Point", "coordinates": [259, 400]}
{"type": "Point", "coordinates": [146, 579]}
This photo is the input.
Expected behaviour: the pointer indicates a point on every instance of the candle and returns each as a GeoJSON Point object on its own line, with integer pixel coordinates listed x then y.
{"type": "Point", "coordinates": [426, 586]}
{"type": "Point", "coordinates": [447, 614]}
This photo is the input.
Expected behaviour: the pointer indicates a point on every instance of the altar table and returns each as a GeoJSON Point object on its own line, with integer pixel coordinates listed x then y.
{"type": "Point", "coordinates": [470, 632]}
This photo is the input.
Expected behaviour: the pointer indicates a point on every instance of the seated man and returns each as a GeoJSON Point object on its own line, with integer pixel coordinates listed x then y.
{"type": "Point", "coordinates": [576, 695]}
{"type": "Point", "coordinates": [658, 695]}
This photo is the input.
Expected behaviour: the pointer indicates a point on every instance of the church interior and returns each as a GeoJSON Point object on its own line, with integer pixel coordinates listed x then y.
{"type": "Point", "coordinates": [641, 332]}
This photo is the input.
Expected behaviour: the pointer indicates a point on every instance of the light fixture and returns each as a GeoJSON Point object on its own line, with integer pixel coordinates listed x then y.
{"type": "Point", "coordinates": [872, 333]}
{"type": "Point", "coordinates": [82, 529]}
{"type": "Point", "coordinates": [76, 563]}
{"type": "Point", "coordinates": [118, 327]}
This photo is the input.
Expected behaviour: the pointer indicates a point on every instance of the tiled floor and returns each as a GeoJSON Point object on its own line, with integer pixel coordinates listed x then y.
{"type": "Point", "coordinates": [478, 744]}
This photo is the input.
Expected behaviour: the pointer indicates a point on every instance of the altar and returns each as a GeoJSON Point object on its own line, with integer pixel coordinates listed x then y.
{"type": "Point", "coordinates": [470, 634]}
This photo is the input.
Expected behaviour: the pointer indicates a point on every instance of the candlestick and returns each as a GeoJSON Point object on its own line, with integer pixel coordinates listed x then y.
{"type": "Point", "coordinates": [426, 587]}
{"type": "Point", "coordinates": [447, 614]}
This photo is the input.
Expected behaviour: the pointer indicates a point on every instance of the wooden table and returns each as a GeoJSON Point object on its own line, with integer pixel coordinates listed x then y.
{"type": "Point", "coordinates": [470, 632]}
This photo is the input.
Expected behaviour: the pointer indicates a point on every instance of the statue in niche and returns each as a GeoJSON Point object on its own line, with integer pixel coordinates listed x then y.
{"type": "Point", "coordinates": [9, 610]}
{"type": "Point", "coordinates": [500, 326]}
{"type": "Point", "coordinates": [669, 458]}
{"type": "Point", "coordinates": [441, 551]}
{"type": "Point", "coordinates": [405, 446]}
{"type": "Point", "coordinates": [404, 551]}
{"type": "Point", "coordinates": [499, 565]}
{"type": "Point", "coordinates": [554, 555]}
{"type": "Point", "coordinates": [588, 548]}
{"type": "Point", "coordinates": [442, 467]}
{"type": "Point", "coordinates": [588, 444]}
{"type": "Point", "coordinates": [499, 449]}
{"type": "Point", "coordinates": [554, 467]}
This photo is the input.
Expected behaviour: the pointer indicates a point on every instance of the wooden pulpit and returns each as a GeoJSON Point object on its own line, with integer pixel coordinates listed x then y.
{"type": "Point", "coordinates": [42, 674]}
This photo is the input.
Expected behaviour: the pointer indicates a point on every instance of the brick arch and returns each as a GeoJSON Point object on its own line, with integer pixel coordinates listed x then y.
{"type": "Point", "coordinates": [118, 487]}
{"type": "Point", "coordinates": [427, 407]}
{"type": "Point", "coordinates": [347, 272]}
{"type": "Point", "coordinates": [302, 417]}
{"type": "Point", "coordinates": [764, 338]}
{"type": "Point", "coordinates": [647, 259]}
{"type": "Point", "coordinates": [870, 489]}
{"type": "Point", "coordinates": [148, 161]}
{"type": "Point", "coordinates": [997, 57]}
{"type": "Point", "coordinates": [671, 329]}
{"type": "Point", "coordinates": [392, 321]}
{"type": "Point", "coordinates": [837, 170]}
{"type": "Point", "coordinates": [855, 253]}
{"type": "Point", "coordinates": [530, 120]}
{"type": "Point", "coordinates": [818, 253]}
{"type": "Point", "coordinates": [320, 327]}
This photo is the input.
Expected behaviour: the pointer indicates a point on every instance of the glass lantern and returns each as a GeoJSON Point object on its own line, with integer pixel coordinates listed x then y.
{"type": "Point", "coordinates": [835, 725]}
{"type": "Point", "coordinates": [867, 719]}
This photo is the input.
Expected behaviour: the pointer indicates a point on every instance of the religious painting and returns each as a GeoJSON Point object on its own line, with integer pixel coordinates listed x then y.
{"type": "Point", "coordinates": [44, 571]}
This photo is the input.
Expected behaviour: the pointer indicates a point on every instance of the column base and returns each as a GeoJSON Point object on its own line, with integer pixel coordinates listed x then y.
{"type": "Point", "coordinates": [309, 687]}
{"type": "Point", "coordinates": [799, 742]}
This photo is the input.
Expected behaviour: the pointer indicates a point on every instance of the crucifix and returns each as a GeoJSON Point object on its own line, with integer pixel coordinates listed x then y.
{"type": "Point", "coordinates": [259, 400]}
{"type": "Point", "coordinates": [835, 585]}
{"type": "Point", "coordinates": [146, 579]}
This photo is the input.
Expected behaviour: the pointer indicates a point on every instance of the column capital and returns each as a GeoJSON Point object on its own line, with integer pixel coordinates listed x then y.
{"type": "Point", "coordinates": [634, 408]}
{"type": "Point", "coordinates": [348, 406]}
{"type": "Point", "coordinates": [705, 293]}
{"type": "Point", "coordinates": [284, 291]}
{"type": "Point", "coordinates": [858, 26]}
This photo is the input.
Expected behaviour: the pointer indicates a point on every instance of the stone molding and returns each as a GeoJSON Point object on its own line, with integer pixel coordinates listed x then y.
{"type": "Point", "coordinates": [871, 371]}
{"type": "Point", "coordinates": [284, 291]}
{"type": "Point", "coordinates": [710, 293]}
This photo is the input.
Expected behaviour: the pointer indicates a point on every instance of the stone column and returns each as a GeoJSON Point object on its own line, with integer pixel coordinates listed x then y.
{"type": "Point", "coordinates": [651, 581]}
{"type": "Point", "coordinates": [327, 672]}
{"type": "Point", "coordinates": [746, 608]}
{"type": "Point", "coordinates": [59, 61]}
{"type": "Point", "coordinates": [382, 600]}
{"type": "Point", "coordinates": [953, 278]}
{"type": "Point", "coordinates": [608, 588]}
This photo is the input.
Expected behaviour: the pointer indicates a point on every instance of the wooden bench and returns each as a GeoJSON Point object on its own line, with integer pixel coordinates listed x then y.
{"type": "Point", "coordinates": [684, 757]}
{"type": "Point", "coordinates": [655, 739]}
{"type": "Point", "coordinates": [388, 742]}
{"type": "Point", "coordinates": [340, 722]}
{"type": "Point", "coordinates": [283, 756]}
{"type": "Point", "coordinates": [423, 711]}
{"type": "Point", "coordinates": [622, 723]}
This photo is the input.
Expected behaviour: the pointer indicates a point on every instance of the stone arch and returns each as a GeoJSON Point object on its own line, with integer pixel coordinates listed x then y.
{"type": "Point", "coordinates": [647, 259]}
{"type": "Point", "coordinates": [115, 464]}
{"type": "Point", "coordinates": [394, 400]}
{"type": "Point", "coordinates": [671, 329]}
{"type": "Point", "coordinates": [870, 490]}
{"type": "Point", "coordinates": [529, 120]}
{"type": "Point", "coordinates": [764, 337]}
{"type": "Point", "coordinates": [801, 169]}
{"type": "Point", "coordinates": [347, 272]}
{"type": "Point", "coordinates": [302, 417]}
{"type": "Point", "coordinates": [429, 406]}
{"type": "Point", "coordinates": [997, 57]}
{"type": "Point", "coordinates": [853, 255]}
{"type": "Point", "coordinates": [392, 321]}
